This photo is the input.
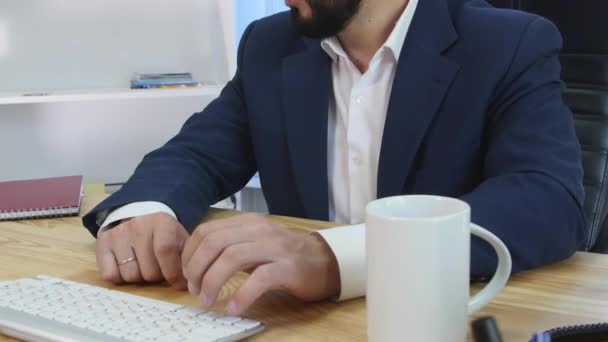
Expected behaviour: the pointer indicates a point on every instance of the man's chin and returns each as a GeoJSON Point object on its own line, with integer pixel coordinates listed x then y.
{"type": "Point", "coordinates": [313, 29]}
{"type": "Point", "coordinates": [313, 20]}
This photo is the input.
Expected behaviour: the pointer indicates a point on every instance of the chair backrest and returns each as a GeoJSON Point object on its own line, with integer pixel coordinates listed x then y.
{"type": "Point", "coordinates": [585, 71]}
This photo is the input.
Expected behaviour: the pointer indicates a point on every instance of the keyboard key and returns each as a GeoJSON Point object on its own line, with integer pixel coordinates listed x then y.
{"type": "Point", "coordinates": [206, 332]}
{"type": "Point", "coordinates": [153, 333]}
{"type": "Point", "coordinates": [229, 319]}
{"type": "Point", "coordinates": [247, 324]}
{"type": "Point", "coordinates": [48, 280]}
{"type": "Point", "coordinates": [189, 312]}
{"type": "Point", "coordinates": [116, 333]}
{"type": "Point", "coordinates": [210, 315]}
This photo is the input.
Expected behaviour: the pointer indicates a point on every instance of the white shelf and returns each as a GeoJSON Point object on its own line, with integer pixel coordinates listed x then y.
{"type": "Point", "coordinates": [104, 94]}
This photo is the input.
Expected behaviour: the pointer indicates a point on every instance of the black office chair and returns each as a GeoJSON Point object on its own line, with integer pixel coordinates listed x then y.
{"type": "Point", "coordinates": [585, 72]}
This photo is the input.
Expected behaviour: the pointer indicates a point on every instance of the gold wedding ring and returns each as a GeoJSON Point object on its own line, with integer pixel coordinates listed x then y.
{"type": "Point", "coordinates": [126, 261]}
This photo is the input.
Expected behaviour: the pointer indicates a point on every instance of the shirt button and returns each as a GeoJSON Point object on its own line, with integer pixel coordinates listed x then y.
{"type": "Point", "coordinates": [360, 99]}
{"type": "Point", "coordinates": [357, 161]}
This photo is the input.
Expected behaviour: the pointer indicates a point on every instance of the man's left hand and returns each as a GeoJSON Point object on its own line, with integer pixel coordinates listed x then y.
{"type": "Point", "coordinates": [278, 259]}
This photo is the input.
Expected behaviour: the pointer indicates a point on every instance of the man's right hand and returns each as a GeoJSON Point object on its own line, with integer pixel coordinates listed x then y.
{"type": "Point", "coordinates": [143, 249]}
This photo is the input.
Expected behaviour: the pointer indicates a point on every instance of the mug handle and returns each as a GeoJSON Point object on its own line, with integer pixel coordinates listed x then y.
{"type": "Point", "coordinates": [503, 272]}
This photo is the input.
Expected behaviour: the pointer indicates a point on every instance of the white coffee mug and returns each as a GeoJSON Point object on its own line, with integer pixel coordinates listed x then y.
{"type": "Point", "coordinates": [418, 250]}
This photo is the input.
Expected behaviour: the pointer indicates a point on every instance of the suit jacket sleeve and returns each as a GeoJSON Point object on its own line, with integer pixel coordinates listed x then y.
{"type": "Point", "coordinates": [209, 159]}
{"type": "Point", "coordinates": [532, 196]}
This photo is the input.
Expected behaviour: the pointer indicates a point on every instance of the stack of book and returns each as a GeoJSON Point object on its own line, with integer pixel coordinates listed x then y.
{"type": "Point", "coordinates": [176, 80]}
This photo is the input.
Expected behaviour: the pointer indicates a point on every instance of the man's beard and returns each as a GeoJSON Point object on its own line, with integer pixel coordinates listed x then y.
{"type": "Point", "coordinates": [329, 17]}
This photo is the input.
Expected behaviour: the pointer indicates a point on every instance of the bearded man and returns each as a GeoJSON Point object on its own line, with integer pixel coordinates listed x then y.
{"type": "Point", "coordinates": [340, 102]}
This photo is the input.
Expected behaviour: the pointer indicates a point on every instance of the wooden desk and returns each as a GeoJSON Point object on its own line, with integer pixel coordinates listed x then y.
{"type": "Point", "coordinates": [574, 291]}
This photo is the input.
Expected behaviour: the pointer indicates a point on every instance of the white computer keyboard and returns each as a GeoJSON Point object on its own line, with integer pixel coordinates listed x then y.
{"type": "Point", "coordinates": [51, 309]}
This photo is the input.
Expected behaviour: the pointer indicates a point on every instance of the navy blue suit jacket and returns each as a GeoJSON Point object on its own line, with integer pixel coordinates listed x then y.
{"type": "Point", "coordinates": [476, 113]}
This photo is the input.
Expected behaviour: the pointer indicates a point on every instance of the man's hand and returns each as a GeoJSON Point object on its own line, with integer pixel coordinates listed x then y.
{"type": "Point", "coordinates": [301, 264]}
{"type": "Point", "coordinates": [146, 248]}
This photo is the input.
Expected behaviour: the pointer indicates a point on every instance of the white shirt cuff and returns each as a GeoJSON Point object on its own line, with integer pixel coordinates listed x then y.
{"type": "Point", "coordinates": [348, 245]}
{"type": "Point", "coordinates": [132, 210]}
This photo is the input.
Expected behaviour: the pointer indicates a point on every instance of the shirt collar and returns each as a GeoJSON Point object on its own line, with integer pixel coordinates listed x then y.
{"type": "Point", "coordinates": [394, 43]}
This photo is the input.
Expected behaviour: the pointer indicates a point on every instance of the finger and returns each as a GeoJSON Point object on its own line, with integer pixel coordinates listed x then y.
{"type": "Point", "coordinates": [265, 278]}
{"type": "Point", "coordinates": [122, 249]}
{"type": "Point", "coordinates": [203, 230]}
{"type": "Point", "coordinates": [210, 249]}
{"type": "Point", "coordinates": [147, 261]}
{"type": "Point", "coordinates": [200, 233]}
{"type": "Point", "coordinates": [106, 263]}
{"type": "Point", "coordinates": [235, 258]}
{"type": "Point", "coordinates": [166, 247]}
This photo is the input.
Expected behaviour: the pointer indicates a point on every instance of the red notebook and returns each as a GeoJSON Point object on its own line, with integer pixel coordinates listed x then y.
{"type": "Point", "coordinates": [50, 197]}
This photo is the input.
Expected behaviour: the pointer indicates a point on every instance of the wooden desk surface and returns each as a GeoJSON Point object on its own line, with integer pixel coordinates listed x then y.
{"type": "Point", "coordinates": [571, 292]}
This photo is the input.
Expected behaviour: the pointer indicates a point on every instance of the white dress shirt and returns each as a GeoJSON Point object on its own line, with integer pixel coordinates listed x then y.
{"type": "Point", "coordinates": [357, 115]}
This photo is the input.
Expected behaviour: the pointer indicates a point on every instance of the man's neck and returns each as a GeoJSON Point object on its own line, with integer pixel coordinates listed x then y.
{"type": "Point", "coordinates": [370, 29]}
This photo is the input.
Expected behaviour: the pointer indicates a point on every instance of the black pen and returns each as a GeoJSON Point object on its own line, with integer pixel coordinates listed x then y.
{"type": "Point", "coordinates": [485, 329]}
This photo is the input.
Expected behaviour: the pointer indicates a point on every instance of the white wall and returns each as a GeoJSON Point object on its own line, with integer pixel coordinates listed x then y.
{"type": "Point", "coordinates": [77, 44]}
{"type": "Point", "coordinates": [102, 140]}
{"type": "Point", "coordinates": [274, 6]}
{"type": "Point", "coordinates": [250, 10]}
{"type": "Point", "coordinates": [74, 44]}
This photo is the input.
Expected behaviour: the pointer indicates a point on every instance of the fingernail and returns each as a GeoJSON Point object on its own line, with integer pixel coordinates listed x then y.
{"type": "Point", "coordinates": [203, 299]}
{"type": "Point", "coordinates": [231, 308]}
{"type": "Point", "coordinates": [190, 288]}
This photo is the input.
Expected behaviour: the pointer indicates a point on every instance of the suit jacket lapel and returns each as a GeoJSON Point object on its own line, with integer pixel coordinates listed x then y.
{"type": "Point", "coordinates": [421, 82]}
{"type": "Point", "coordinates": [306, 89]}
